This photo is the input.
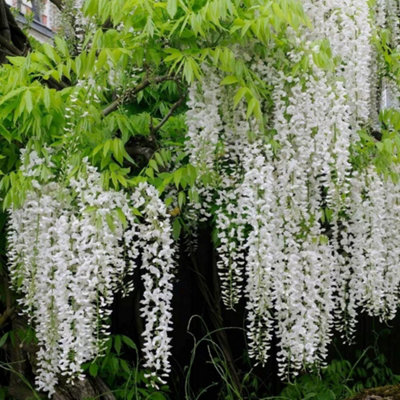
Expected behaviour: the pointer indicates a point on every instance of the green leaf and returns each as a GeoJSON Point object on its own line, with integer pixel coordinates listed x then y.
{"type": "Point", "coordinates": [250, 108]}
{"type": "Point", "coordinates": [131, 394]}
{"type": "Point", "coordinates": [229, 80]}
{"type": "Point", "coordinates": [239, 95]}
{"type": "Point", "coordinates": [122, 217]}
{"type": "Point", "coordinates": [93, 369]}
{"type": "Point", "coordinates": [118, 150]}
{"type": "Point", "coordinates": [174, 55]}
{"type": "Point", "coordinates": [188, 70]}
{"type": "Point", "coordinates": [51, 53]}
{"type": "Point", "coordinates": [136, 212]}
{"type": "Point", "coordinates": [176, 228]}
{"type": "Point", "coordinates": [11, 94]}
{"type": "Point", "coordinates": [110, 222]}
{"type": "Point", "coordinates": [159, 159]}
{"type": "Point", "coordinates": [3, 339]}
{"type": "Point", "coordinates": [28, 100]}
{"type": "Point", "coordinates": [122, 180]}
{"type": "Point", "coordinates": [149, 172]}
{"type": "Point", "coordinates": [172, 7]}
{"type": "Point", "coordinates": [178, 177]}
{"type": "Point", "coordinates": [157, 396]}
{"type": "Point", "coordinates": [114, 365]}
{"type": "Point", "coordinates": [129, 342]}
{"type": "Point", "coordinates": [125, 366]}
{"type": "Point", "coordinates": [97, 149]}
{"type": "Point", "coordinates": [153, 164]}
{"type": "Point", "coordinates": [106, 147]}
{"type": "Point", "coordinates": [46, 97]}
{"type": "Point", "coordinates": [117, 344]}
{"type": "Point", "coordinates": [181, 199]}
{"type": "Point", "coordinates": [61, 45]}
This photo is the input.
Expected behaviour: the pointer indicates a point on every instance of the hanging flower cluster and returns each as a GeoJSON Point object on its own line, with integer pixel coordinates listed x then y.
{"type": "Point", "coordinates": [368, 241]}
{"type": "Point", "coordinates": [204, 125]}
{"type": "Point", "coordinates": [313, 237]}
{"type": "Point", "coordinates": [155, 238]}
{"type": "Point", "coordinates": [74, 25]}
{"type": "Point", "coordinates": [70, 248]}
{"type": "Point", "coordinates": [302, 234]}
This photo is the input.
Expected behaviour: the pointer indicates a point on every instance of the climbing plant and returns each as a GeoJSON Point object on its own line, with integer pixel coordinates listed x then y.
{"type": "Point", "coordinates": [273, 122]}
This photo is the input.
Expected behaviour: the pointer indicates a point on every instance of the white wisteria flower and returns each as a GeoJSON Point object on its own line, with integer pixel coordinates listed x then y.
{"type": "Point", "coordinates": [68, 259]}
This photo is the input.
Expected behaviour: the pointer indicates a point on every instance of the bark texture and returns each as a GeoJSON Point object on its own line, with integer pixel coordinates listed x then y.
{"type": "Point", "coordinates": [13, 41]}
{"type": "Point", "coordinates": [379, 393]}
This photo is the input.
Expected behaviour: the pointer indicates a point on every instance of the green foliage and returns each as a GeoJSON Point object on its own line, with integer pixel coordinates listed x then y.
{"type": "Point", "coordinates": [125, 379]}
{"type": "Point", "coordinates": [146, 40]}
{"type": "Point", "coordinates": [147, 57]}
{"type": "Point", "coordinates": [341, 379]}
{"type": "Point", "coordinates": [380, 145]}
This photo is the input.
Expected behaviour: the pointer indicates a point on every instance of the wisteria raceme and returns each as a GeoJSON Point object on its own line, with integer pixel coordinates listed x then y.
{"type": "Point", "coordinates": [304, 217]}
{"type": "Point", "coordinates": [230, 216]}
{"type": "Point", "coordinates": [392, 12]}
{"type": "Point", "coordinates": [219, 146]}
{"type": "Point", "coordinates": [68, 258]}
{"type": "Point", "coordinates": [374, 231]}
{"type": "Point", "coordinates": [256, 202]}
{"type": "Point", "coordinates": [157, 263]}
{"type": "Point", "coordinates": [32, 272]}
{"type": "Point", "coordinates": [204, 126]}
{"type": "Point", "coordinates": [391, 279]}
{"type": "Point", "coordinates": [303, 293]}
{"type": "Point", "coordinates": [307, 235]}
{"type": "Point", "coordinates": [347, 276]}
{"type": "Point", "coordinates": [347, 25]}
{"type": "Point", "coordinates": [74, 25]}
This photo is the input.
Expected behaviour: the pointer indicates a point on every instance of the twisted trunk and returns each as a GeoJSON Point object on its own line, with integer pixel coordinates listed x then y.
{"type": "Point", "coordinates": [13, 41]}
{"type": "Point", "coordinates": [21, 357]}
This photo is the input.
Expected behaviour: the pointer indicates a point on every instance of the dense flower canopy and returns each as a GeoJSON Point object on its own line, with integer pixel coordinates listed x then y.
{"type": "Point", "coordinates": [310, 232]}
{"type": "Point", "coordinates": [274, 150]}
{"type": "Point", "coordinates": [69, 252]}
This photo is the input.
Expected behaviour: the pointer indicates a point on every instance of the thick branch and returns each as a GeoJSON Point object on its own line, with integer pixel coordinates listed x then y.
{"type": "Point", "coordinates": [17, 36]}
{"type": "Point", "coordinates": [5, 316]}
{"type": "Point", "coordinates": [4, 26]}
{"type": "Point", "coordinates": [58, 3]}
{"type": "Point", "coordinates": [10, 47]}
{"type": "Point", "coordinates": [6, 53]}
{"type": "Point", "coordinates": [12, 50]}
{"type": "Point", "coordinates": [133, 92]}
{"type": "Point", "coordinates": [54, 84]}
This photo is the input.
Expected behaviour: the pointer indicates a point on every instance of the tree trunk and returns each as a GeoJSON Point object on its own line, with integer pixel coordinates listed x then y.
{"type": "Point", "coordinates": [379, 393]}
{"type": "Point", "coordinates": [13, 41]}
{"type": "Point", "coordinates": [23, 362]}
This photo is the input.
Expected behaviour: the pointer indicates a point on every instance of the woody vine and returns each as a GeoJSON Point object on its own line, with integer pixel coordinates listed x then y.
{"type": "Point", "coordinates": [275, 122]}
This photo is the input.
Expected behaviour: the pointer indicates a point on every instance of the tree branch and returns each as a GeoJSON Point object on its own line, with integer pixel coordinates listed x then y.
{"type": "Point", "coordinates": [4, 25]}
{"type": "Point", "coordinates": [9, 311]}
{"type": "Point", "coordinates": [129, 94]}
{"type": "Point", "coordinates": [54, 84]}
{"type": "Point", "coordinates": [17, 36]}
{"type": "Point", "coordinates": [14, 51]}
{"type": "Point", "coordinates": [5, 316]}
{"type": "Point", "coordinates": [6, 53]}
{"type": "Point", "coordinates": [167, 116]}
{"type": "Point", "coordinates": [58, 3]}
{"type": "Point", "coordinates": [8, 45]}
